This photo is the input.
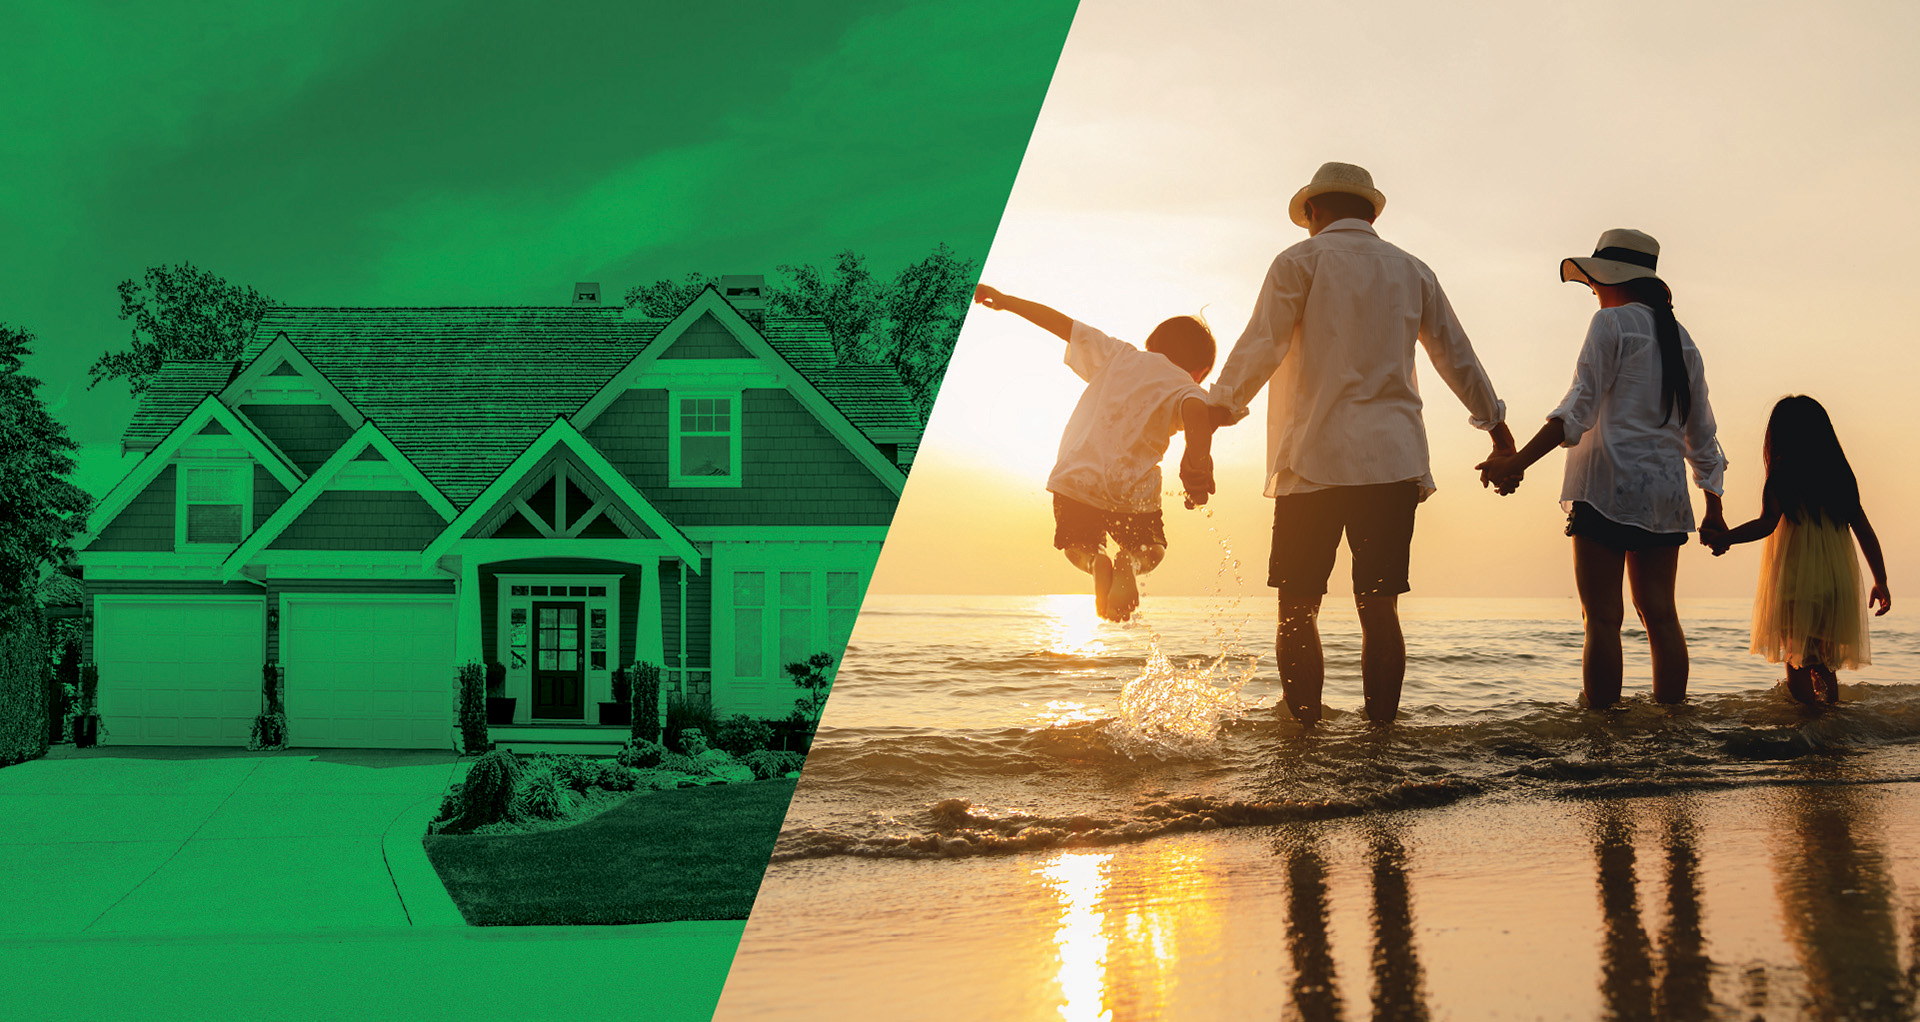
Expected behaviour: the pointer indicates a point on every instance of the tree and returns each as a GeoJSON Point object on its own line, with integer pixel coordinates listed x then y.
{"type": "Point", "coordinates": [925, 307]}
{"type": "Point", "coordinates": [663, 299]}
{"type": "Point", "coordinates": [40, 511]}
{"type": "Point", "coordinates": [180, 313]}
{"type": "Point", "coordinates": [849, 303]}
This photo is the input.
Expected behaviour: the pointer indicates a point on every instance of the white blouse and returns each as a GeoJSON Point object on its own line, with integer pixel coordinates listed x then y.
{"type": "Point", "coordinates": [1623, 460]}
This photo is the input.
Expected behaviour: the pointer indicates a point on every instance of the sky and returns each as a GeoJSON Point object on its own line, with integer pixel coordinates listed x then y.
{"type": "Point", "coordinates": [477, 152]}
{"type": "Point", "coordinates": [1768, 146]}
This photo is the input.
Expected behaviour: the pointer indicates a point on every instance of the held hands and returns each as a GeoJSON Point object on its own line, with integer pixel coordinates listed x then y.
{"type": "Point", "coordinates": [1196, 477]}
{"type": "Point", "coordinates": [1713, 535]}
{"type": "Point", "coordinates": [1503, 469]}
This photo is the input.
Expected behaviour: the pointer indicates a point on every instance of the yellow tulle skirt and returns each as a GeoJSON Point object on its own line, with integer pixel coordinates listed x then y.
{"type": "Point", "coordinates": [1811, 604]}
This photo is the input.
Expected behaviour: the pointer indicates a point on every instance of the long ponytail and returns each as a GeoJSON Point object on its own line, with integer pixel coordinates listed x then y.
{"type": "Point", "coordinates": [1676, 390]}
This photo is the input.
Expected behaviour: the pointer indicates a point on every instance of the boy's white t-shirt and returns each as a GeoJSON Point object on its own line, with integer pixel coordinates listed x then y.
{"type": "Point", "coordinates": [1110, 455]}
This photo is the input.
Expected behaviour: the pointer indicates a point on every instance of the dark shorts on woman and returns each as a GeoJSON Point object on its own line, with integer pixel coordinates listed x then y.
{"type": "Point", "coordinates": [1377, 521]}
{"type": "Point", "coordinates": [1586, 522]}
{"type": "Point", "coordinates": [1076, 524]}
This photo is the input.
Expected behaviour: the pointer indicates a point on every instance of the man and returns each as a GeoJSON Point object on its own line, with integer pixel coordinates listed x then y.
{"type": "Point", "coordinates": [1333, 331]}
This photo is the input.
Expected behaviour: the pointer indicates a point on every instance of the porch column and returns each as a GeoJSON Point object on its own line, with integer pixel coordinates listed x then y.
{"type": "Point", "coordinates": [466, 599]}
{"type": "Point", "coordinates": [648, 644]}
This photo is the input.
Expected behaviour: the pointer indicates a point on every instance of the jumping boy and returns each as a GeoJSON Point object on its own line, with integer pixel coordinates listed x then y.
{"type": "Point", "coordinates": [1107, 479]}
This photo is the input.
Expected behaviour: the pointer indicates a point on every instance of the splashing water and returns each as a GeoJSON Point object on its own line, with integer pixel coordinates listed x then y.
{"type": "Point", "coordinates": [1180, 707]}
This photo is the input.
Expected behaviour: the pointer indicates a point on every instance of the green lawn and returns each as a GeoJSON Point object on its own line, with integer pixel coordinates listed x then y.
{"type": "Point", "coordinates": [690, 853]}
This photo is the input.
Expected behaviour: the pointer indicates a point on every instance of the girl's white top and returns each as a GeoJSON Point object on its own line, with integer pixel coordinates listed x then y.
{"type": "Point", "coordinates": [1110, 454]}
{"type": "Point", "coordinates": [1623, 460]}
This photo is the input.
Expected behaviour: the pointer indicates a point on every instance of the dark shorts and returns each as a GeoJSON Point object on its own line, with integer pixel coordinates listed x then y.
{"type": "Point", "coordinates": [1588, 523]}
{"type": "Point", "coordinates": [1377, 521]}
{"type": "Point", "coordinates": [1083, 525]}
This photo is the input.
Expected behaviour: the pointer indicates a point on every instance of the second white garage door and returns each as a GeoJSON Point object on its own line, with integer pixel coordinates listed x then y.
{"type": "Point", "coordinates": [368, 672]}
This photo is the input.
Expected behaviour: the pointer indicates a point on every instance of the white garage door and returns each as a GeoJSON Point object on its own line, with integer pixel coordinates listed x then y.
{"type": "Point", "coordinates": [178, 671]}
{"type": "Point", "coordinates": [367, 672]}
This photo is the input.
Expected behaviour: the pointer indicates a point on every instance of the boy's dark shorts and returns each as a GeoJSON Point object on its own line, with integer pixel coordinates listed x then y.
{"type": "Point", "coordinates": [1082, 525]}
{"type": "Point", "coordinates": [1377, 520]}
{"type": "Point", "coordinates": [1587, 522]}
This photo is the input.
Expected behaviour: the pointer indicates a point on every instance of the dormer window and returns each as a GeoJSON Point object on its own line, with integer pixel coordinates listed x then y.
{"type": "Point", "coordinates": [214, 505]}
{"type": "Point", "coordinates": [704, 441]}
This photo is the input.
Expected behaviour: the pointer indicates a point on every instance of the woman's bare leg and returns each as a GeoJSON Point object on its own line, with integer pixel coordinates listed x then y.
{"type": "Point", "coordinates": [1596, 574]}
{"type": "Point", "coordinates": [1650, 575]}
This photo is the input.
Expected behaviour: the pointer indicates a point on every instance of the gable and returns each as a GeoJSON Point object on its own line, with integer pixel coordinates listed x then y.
{"type": "Point", "coordinates": [307, 434]}
{"type": "Point", "coordinates": [362, 520]}
{"type": "Point", "coordinates": [146, 524]}
{"type": "Point", "coordinates": [560, 497]}
{"type": "Point", "coordinates": [706, 338]}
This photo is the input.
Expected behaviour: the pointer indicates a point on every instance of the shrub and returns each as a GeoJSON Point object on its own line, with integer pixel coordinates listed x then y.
{"type": "Point", "coordinates": [269, 732]}
{"type": "Point", "coordinates": [766, 763]}
{"type": "Point", "coordinates": [693, 741]}
{"type": "Point", "coordinates": [24, 669]}
{"type": "Point", "coordinates": [641, 755]}
{"type": "Point", "coordinates": [681, 763]}
{"type": "Point", "coordinates": [740, 734]}
{"type": "Point", "coordinates": [644, 680]}
{"type": "Point", "coordinates": [576, 772]}
{"type": "Point", "coordinates": [542, 796]}
{"type": "Point", "coordinates": [496, 678]}
{"type": "Point", "coordinates": [614, 777]}
{"type": "Point", "coordinates": [473, 709]}
{"type": "Point", "coordinates": [684, 715]}
{"type": "Point", "coordinates": [487, 795]}
{"type": "Point", "coordinates": [815, 678]}
{"type": "Point", "coordinates": [66, 682]}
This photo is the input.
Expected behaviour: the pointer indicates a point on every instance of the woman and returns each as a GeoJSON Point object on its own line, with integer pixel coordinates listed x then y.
{"type": "Point", "coordinates": [1637, 414]}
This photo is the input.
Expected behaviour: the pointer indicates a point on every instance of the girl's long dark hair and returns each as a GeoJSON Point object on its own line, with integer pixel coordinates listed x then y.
{"type": "Point", "coordinates": [1808, 476]}
{"type": "Point", "coordinates": [1676, 390]}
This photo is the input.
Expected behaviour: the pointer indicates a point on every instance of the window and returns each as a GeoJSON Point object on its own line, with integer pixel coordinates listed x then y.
{"type": "Point", "coordinates": [796, 617]}
{"type": "Point", "coordinates": [784, 617]}
{"type": "Point", "coordinates": [749, 597]}
{"type": "Point", "coordinates": [843, 605]}
{"type": "Point", "coordinates": [705, 444]}
{"type": "Point", "coordinates": [213, 505]}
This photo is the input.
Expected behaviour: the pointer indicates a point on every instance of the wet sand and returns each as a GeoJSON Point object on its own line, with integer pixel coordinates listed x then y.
{"type": "Point", "coordinates": [1776, 901]}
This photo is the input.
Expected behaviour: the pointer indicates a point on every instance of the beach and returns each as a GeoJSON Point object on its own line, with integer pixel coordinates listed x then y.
{"type": "Point", "coordinates": [1007, 848]}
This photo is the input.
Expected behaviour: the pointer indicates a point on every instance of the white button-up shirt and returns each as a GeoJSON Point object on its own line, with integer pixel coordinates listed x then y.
{"type": "Point", "coordinates": [1333, 331]}
{"type": "Point", "coordinates": [1623, 460]}
{"type": "Point", "coordinates": [1110, 454]}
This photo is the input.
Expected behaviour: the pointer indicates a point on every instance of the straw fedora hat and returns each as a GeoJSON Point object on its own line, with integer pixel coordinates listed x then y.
{"type": "Point", "coordinates": [1336, 177]}
{"type": "Point", "coordinates": [1621, 255]}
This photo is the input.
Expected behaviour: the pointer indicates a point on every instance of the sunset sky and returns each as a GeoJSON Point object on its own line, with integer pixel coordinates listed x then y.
{"type": "Point", "coordinates": [1770, 147]}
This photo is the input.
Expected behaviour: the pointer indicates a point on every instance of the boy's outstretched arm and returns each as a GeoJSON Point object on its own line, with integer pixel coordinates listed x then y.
{"type": "Point", "coordinates": [1051, 320]}
{"type": "Point", "coordinates": [1196, 464]}
{"type": "Point", "coordinates": [1879, 598]}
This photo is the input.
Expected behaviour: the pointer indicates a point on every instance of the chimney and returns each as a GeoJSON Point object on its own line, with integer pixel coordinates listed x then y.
{"type": "Point", "coordinates": [586, 294]}
{"type": "Point", "coordinates": [747, 293]}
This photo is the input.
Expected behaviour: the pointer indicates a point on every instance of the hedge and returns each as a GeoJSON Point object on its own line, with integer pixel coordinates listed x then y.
{"type": "Point", "coordinates": [24, 674]}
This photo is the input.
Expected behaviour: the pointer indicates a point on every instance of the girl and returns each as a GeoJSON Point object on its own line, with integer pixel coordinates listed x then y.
{"type": "Point", "coordinates": [1635, 420]}
{"type": "Point", "coordinates": [1808, 609]}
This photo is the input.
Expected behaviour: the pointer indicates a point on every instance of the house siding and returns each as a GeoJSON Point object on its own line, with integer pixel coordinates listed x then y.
{"type": "Point", "coordinates": [793, 471]}
{"type": "Point", "coordinates": [146, 524]}
{"type": "Point", "coordinates": [362, 520]}
{"type": "Point", "coordinates": [347, 587]}
{"type": "Point", "coordinates": [699, 614]}
{"type": "Point", "coordinates": [707, 338]}
{"type": "Point", "coordinates": [307, 434]}
{"type": "Point", "coordinates": [630, 582]}
{"type": "Point", "coordinates": [268, 495]}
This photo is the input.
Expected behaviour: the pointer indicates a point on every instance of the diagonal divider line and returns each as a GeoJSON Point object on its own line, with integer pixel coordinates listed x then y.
{"type": "Point", "coordinates": [183, 844]}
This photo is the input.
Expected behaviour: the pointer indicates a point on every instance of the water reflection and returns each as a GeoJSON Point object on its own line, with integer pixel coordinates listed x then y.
{"type": "Point", "coordinates": [1839, 902]}
{"type": "Point", "coordinates": [1634, 983]}
{"type": "Point", "coordinates": [1398, 981]}
{"type": "Point", "coordinates": [1079, 881]}
{"type": "Point", "coordinates": [1399, 986]}
{"type": "Point", "coordinates": [1316, 992]}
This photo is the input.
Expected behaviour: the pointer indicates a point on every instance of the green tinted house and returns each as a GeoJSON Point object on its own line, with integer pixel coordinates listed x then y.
{"type": "Point", "coordinates": [370, 497]}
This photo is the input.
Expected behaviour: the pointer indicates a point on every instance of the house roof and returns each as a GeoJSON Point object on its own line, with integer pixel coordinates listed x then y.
{"type": "Point", "coordinates": [174, 392]}
{"type": "Point", "coordinates": [463, 391]}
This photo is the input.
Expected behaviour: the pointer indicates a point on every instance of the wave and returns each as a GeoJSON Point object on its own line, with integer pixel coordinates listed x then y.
{"type": "Point", "coordinates": [928, 794]}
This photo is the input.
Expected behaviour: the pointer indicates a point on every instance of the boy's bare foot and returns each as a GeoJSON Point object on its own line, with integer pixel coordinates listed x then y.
{"type": "Point", "coordinates": [1102, 583]}
{"type": "Point", "coordinates": [1124, 597]}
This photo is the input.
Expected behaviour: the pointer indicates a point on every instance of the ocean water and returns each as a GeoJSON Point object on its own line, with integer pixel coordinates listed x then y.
{"type": "Point", "coordinates": [963, 726]}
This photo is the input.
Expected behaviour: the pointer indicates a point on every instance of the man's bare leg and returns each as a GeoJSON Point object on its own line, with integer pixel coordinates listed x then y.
{"type": "Point", "coordinates": [1383, 655]}
{"type": "Point", "coordinates": [1303, 669]}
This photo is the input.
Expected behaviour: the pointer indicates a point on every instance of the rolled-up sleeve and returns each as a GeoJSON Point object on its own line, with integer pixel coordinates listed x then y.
{"type": "Point", "coordinates": [1599, 358]}
{"type": "Point", "coordinates": [1263, 345]}
{"type": "Point", "coordinates": [1089, 350]}
{"type": "Point", "coordinates": [1453, 358]}
{"type": "Point", "coordinates": [1709, 462]}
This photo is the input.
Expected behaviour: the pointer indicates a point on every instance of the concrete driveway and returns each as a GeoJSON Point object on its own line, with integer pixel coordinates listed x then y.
{"type": "Point", "coordinates": [136, 841]}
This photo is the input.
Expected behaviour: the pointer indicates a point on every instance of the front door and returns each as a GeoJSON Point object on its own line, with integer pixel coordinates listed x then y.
{"type": "Point", "coordinates": [559, 665]}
